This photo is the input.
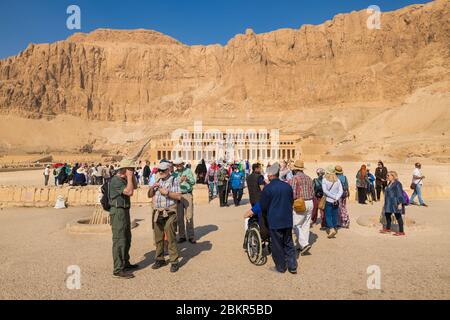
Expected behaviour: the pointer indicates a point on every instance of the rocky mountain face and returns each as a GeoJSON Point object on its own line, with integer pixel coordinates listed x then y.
{"type": "Point", "coordinates": [136, 75]}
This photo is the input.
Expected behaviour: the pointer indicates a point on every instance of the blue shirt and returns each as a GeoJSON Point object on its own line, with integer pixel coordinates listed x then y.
{"type": "Point", "coordinates": [277, 199]}
{"type": "Point", "coordinates": [256, 209]}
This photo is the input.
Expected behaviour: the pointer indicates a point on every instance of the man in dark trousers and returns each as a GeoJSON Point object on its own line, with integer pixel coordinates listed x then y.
{"type": "Point", "coordinates": [146, 173]}
{"type": "Point", "coordinates": [121, 188]}
{"type": "Point", "coordinates": [255, 183]}
{"type": "Point", "coordinates": [277, 200]}
{"type": "Point", "coordinates": [380, 178]}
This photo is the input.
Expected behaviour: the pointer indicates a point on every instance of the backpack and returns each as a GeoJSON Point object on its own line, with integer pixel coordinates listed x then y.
{"type": "Point", "coordinates": [104, 200]}
{"type": "Point", "coordinates": [405, 198]}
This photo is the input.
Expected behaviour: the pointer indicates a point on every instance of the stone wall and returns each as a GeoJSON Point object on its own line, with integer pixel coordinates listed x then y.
{"type": "Point", "coordinates": [17, 196]}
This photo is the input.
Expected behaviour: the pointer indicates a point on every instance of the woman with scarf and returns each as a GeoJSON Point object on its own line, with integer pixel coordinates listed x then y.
{"type": "Point", "coordinates": [362, 180]}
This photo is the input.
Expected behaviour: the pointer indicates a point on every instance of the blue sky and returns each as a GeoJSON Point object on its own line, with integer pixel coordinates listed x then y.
{"type": "Point", "coordinates": [190, 21]}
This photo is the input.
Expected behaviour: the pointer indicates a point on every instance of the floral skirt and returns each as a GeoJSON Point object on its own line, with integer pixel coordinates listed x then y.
{"type": "Point", "coordinates": [344, 219]}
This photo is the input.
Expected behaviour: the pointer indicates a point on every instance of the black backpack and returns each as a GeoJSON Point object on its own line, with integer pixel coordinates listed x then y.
{"type": "Point", "coordinates": [105, 197]}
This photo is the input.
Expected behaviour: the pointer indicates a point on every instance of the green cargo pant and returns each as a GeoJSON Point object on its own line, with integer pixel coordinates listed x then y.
{"type": "Point", "coordinates": [169, 226]}
{"type": "Point", "coordinates": [121, 237]}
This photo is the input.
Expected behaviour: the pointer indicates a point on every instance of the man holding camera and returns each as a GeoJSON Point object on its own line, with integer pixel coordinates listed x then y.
{"type": "Point", "coordinates": [121, 188]}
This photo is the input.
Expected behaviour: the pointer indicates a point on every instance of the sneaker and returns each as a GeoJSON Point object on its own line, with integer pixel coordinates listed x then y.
{"type": "Point", "coordinates": [385, 231]}
{"type": "Point", "coordinates": [174, 267]}
{"type": "Point", "coordinates": [132, 267]}
{"type": "Point", "coordinates": [413, 203]}
{"type": "Point", "coordinates": [293, 271]}
{"type": "Point", "coordinates": [158, 264]}
{"type": "Point", "coordinates": [399, 234]}
{"type": "Point", "coordinates": [424, 205]}
{"type": "Point", "coordinates": [181, 240]}
{"type": "Point", "coordinates": [305, 249]}
{"type": "Point", "coordinates": [123, 275]}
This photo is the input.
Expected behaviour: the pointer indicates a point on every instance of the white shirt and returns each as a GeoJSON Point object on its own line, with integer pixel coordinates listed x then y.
{"type": "Point", "coordinates": [332, 191]}
{"type": "Point", "coordinates": [46, 171]}
{"type": "Point", "coordinates": [417, 173]}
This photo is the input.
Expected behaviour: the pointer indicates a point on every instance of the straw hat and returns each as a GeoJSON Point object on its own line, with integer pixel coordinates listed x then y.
{"type": "Point", "coordinates": [126, 163]}
{"type": "Point", "coordinates": [298, 165]}
{"type": "Point", "coordinates": [338, 169]}
{"type": "Point", "coordinates": [330, 170]}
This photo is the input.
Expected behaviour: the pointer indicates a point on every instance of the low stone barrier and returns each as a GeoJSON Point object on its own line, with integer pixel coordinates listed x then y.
{"type": "Point", "coordinates": [18, 196]}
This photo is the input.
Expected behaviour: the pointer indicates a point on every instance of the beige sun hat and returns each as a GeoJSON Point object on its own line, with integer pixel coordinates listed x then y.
{"type": "Point", "coordinates": [298, 165]}
{"type": "Point", "coordinates": [178, 161]}
{"type": "Point", "coordinates": [330, 169]}
{"type": "Point", "coordinates": [127, 163]}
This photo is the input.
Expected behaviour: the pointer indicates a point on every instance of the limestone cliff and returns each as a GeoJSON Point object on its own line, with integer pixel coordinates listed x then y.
{"type": "Point", "coordinates": [133, 75]}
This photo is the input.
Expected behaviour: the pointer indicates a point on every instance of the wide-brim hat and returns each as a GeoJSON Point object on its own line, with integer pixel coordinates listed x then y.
{"type": "Point", "coordinates": [330, 170]}
{"type": "Point", "coordinates": [178, 161]}
{"type": "Point", "coordinates": [338, 169]}
{"type": "Point", "coordinates": [298, 165]}
{"type": "Point", "coordinates": [127, 163]}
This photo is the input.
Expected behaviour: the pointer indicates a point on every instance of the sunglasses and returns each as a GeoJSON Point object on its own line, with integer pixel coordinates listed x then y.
{"type": "Point", "coordinates": [159, 170]}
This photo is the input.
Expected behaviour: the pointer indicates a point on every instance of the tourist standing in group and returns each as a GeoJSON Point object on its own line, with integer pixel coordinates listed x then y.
{"type": "Point", "coordinates": [121, 188]}
{"type": "Point", "coordinates": [332, 189]}
{"type": "Point", "coordinates": [362, 184]}
{"type": "Point", "coordinates": [318, 194]}
{"type": "Point", "coordinates": [417, 184]}
{"type": "Point", "coordinates": [222, 184]}
{"type": "Point", "coordinates": [371, 185]}
{"type": "Point", "coordinates": [344, 219]}
{"type": "Point", "coordinates": [380, 179]}
{"type": "Point", "coordinates": [277, 200]}
{"type": "Point", "coordinates": [146, 172]}
{"type": "Point", "coordinates": [285, 172]}
{"type": "Point", "coordinates": [186, 204]}
{"type": "Point", "coordinates": [200, 172]}
{"type": "Point", "coordinates": [237, 185]}
{"type": "Point", "coordinates": [55, 175]}
{"type": "Point", "coordinates": [302, 187]}
{"type": "Point", "coordinates": [393, 204]}
{"type": "Point", "coordinates": [99, 174]}
{"type": "Point", "coordinates": [211, 180]}
{"type": "Point", "coordinates": [46, 175]}
{"type": "Point", "coordinates": [165, 193]}
{"type": "Point", "coordinates": [255, 184]}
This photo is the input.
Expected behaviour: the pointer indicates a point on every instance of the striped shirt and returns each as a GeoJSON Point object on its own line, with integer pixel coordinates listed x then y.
{"type": "Point", "coordinates": [164, 202]}
{"type": "Point", "coordinates": [302, 186]}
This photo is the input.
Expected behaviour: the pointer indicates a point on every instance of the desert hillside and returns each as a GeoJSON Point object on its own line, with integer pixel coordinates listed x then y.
{"type": "Point", "coordinates": [347, 90]}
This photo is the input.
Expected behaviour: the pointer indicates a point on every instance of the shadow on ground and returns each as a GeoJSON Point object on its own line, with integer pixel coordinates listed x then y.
{"type": "Point", "coordinates": [187, 250]}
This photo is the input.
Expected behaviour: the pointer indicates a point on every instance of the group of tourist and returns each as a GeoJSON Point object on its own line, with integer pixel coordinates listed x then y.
{"type": "Point", "coordinates": [284, 194]}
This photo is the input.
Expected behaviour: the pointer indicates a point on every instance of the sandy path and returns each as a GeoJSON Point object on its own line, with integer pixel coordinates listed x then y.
{"type": "Point", "coordinates": [36, 251]}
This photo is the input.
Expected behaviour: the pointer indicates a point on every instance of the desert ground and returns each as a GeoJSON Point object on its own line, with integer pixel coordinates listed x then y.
{"type": "Point", "coordinates": [36, 251]}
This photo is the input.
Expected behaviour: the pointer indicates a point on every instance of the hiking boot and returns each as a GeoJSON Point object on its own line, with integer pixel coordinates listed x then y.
{"type": "Point", "coordinates": [181, 240]}
{"type": "Point", "coordinates": [174, 267]}
{"type": "Point", "coordinates": [399, 234]}
{"type": "Point", "coordinates": [305, 249]}
{"type": "Point", "coordinates": [132, 267]}
{"type": "Point", "coordinates": [385, 231]}
{"type": "Point", "coordinates": [158, 264]}
{"type": "Point", "coordinates": [123, 275]}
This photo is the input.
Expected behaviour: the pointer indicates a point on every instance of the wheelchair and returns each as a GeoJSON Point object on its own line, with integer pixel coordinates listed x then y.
{"type": "Point", "coordinates": [257, 247]}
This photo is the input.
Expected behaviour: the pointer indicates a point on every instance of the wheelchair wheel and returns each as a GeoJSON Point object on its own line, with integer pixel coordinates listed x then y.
{"type": "Point", "coordinates": [254, 246]}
